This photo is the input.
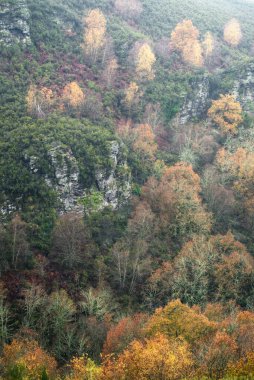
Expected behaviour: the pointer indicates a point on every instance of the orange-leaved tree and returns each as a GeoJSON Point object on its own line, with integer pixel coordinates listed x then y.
{"type": "Point", "coordinates": [226, 113]}
{"type": "Point", "coordinates": [155, 358]}
{"type": "Point", "coordinates": [185, 39]}
{"type": "Point", "coordinates": [177, 319]}
{"type": "Point", "coordinates": [28, 359]}
{"type": "Point", "coordinates": [123, 333]}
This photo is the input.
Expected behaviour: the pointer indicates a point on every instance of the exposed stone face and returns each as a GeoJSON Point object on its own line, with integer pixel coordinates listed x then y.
{"type": "Point", "coordinates": [14, 22]}
{"type": "Point", "coordinates": [244, 88]}
{"type": "Point", "coordinates": [196, 101]}
{"type": "Point", "coordinates": [116, 184]}
{"type": "Point", "coordinates": [66, 178]}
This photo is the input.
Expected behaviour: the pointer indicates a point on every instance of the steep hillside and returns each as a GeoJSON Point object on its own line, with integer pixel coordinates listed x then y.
{"type": "Point", "coordinates": [126, 185]}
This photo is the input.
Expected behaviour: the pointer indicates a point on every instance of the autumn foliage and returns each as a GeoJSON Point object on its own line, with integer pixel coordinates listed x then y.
{"type": "Point", "coordinates": [232, 32]}
{"type": "Point", "coordinates": [144, 62]}
{"type": "Point", "coordinates": [39, 100]}
{"type": "Point", "coordinates": [95, 31]}
{"type": "Point", "coordinates": [185, 39]}
{"type": "Point", "coordinates": [154, 358]}
{"type": "Point", "coordinates": [226, 113]}
{"type": "Point", "coordinates": [125, 331]}
{"type": "Point", "coordinates": [27, 358]}
{"type": "Point", "coordinates": [72, 95]}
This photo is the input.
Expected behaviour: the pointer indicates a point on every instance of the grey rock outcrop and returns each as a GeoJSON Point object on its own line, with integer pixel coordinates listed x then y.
{"type": "Point", "coordinates": [66, 178]}
{"type": "Point", "coordinates": [244, 88]}
{"type": "Point", "coordinates": [14, 22]}
{"type": "Point", "coordinates": [195, 102]}
{"type": "Point", "coordinates": [115, 184]}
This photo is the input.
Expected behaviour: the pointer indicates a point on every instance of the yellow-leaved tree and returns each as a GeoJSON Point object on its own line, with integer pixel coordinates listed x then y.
{"type": "Point", "coordinates": [192, 54]}
{"type": "Point", "coordinates": [130, 93]}
{"type": "Point", "coordinates": [226, 113]}
{"type": "Point", "coordinates": [144, 62]}
{"type": "Point", "coordinates": [232, 32]}
{"type": "Point", "coordinates": [39, 100]}
{"type": "Point", "coordinates": [83, 368]}
{"type": "Point", "coordinates": [73, 96]}
{"type": "Point", "coordinates": [185, 39]}
{"type": "Point", "coordinates": [155, 358]}
{"type": "Point", "coordinates": [208, 45]}
{"type": "Point", "coordinates": [95, 33]}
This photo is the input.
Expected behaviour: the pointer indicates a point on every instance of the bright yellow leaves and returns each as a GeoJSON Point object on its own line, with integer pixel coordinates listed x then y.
{"type": "Point", "coordinates": [233, 33]}
{"type": "Point", "coordinates": [144, 62]}
{"type": "Point", "coordinates": [184, 38]}
{"type": "Point", "coordinates": [177, 319]}
{"type": "Point", "coordinates": [73, 95]}
{"type": "Point", "coordinates": [95, 33]}
{"type": "Point", "coordinates": [226, 112]}
{"type": "Point", "coordinates": [183, 34]}
{"type": "Point", "coordinates": [155, 358]}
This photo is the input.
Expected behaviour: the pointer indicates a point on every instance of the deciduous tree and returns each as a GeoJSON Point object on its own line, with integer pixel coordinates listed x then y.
{"type": "Point", "coordinates": [145, 61]}
{"type": "Point", "coordinates": [73, 96]}
{"type": "Point", "coordinates": [123, 333]}
{"type": "Point", "coordinates": [156, 358]}
{"type": "Point", "coordinates": [39, 100]}
{"type": "Point", "coordinates": [232, 32]}
{"type": "Point", "coordinates": [184, 39]}
{"type": "Point", "coordinates": [208, 45]}
{"type": "Point", "coordinates": [226, 113]}
{"type": "Point", "coordinates": [70, 241]}
{"type": "Point", "coordinates": [95, 32]}
{"type": "Point", "coordinates": [28, 360]}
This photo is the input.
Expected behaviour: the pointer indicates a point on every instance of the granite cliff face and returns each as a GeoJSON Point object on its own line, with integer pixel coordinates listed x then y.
{"type": "Point", "coordinates": [114, 183]}
{"type": "Point", "coordinates": [244, 88]}
{"type": "Point", "coordinates": [14, 22]}
{"type": "Point", "coordinates": [196, 101]}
